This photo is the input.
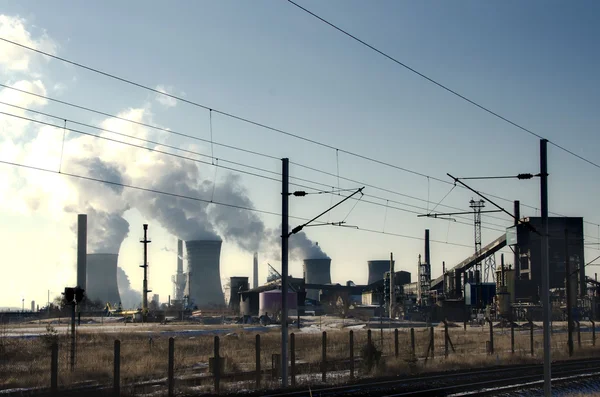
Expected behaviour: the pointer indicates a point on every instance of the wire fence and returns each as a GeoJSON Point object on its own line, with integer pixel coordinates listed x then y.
{"type": "Point", "coordinates": [181, 363]}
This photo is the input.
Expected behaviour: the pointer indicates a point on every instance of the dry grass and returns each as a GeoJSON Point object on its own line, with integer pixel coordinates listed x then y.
{"type": "Point", "coordinates": [26, 362]}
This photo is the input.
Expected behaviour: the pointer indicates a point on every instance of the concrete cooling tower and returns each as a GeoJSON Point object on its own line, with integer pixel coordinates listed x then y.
{"type": "Point", "coordinates": [316, 271]}
{"type": "Point", "coordinates": [204, 281]}
{"type": "Point", "coordinates": [101, 278]}
{"type": "Point", "coordinates": [377, 269]}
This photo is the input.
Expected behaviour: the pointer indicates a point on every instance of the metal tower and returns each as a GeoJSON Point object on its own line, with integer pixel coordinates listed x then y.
{"type": "Point", "coordinates": [489, 269]}
{"type": "Point", "coordinates": [477, 206]}
{"type": "Point", "coordinates": [424, 283]}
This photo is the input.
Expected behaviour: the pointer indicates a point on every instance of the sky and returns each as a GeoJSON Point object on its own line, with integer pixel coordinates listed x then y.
{"type": "Point", "coordinates": [532, 62]}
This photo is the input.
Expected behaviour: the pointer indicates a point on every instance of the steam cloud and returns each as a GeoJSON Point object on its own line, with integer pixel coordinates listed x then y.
{"type": "Point", "coordinates": [130, 298]}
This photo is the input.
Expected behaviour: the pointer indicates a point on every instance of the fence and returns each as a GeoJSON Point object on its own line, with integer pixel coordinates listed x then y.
{"type": "Point", "coordinates": [135, 362]}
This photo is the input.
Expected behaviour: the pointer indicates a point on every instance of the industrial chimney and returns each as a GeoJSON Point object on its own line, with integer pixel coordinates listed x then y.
{"type": "Point", "coordinates": [81, 250]}
{"type": "Point", "coordinates": [376, 270]}
{"type": "Point", "coordinates": [317, 271]}
{"type": "Point", "coordinates": [102, 278]}
{"type": "Point", "coordinates": [204, 278]}
{"type": "Point", "coordinates": [255, 271]}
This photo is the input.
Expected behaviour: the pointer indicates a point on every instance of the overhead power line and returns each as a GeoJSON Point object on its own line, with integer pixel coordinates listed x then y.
{"type": "Point", "coordinates": [239, 118]}
{"type": "Point", "coordinates": [198, 199]}
{"type": "Point", "coordinates": [440, 85]}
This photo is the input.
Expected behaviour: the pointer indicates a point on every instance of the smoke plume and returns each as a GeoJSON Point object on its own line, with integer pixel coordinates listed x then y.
{"type": "Point", "coordinates": [130, 298]}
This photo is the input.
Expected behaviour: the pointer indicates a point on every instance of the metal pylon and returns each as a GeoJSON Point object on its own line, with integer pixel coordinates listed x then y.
{"type": "Point", "coordinates": [489, 269]}
{"type": "Point", "coordinates": [477, 206]}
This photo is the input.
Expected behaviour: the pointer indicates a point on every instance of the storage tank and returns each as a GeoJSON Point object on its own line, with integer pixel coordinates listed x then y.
{"type": "Point", "coordinates": [376, 270]}
{"type": "Point", "coordinates": [204, 278]}
{"type": "Point", "coordinates": [504, 303]}
{"type": "Point", "coordinates": [317, 271]}
{"type": "Point", "coordinates": [101, 278]}
{"type": "Point", "coordinates": [270, 302]}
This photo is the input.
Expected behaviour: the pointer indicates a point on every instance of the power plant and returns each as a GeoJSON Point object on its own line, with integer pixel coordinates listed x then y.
{"type": "Point", "coordinates": [377, 268]}
{"type": "Point", "coordinates": [179, 278]}
{"type": "Point", "coordinates": [203, 287]}
{"type": "Point", "coordinates": [102, 278]}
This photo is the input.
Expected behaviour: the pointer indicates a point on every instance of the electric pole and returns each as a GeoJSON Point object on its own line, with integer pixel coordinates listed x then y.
{"type": "Point", "coordinates": [544, 265]}
{"type": "Point", "coordinates": [284, 267]}
{"type": "Point", "coordinates": [145, 290]}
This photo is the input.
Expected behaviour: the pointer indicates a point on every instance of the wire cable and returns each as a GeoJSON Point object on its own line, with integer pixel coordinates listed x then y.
{"type": "Point", "coordinates": [155, 191]}
{"type": "Point", "coordinates": [444, 87]}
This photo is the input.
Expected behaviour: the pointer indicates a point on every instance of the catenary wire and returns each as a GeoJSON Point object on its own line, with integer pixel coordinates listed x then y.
{"type": "Point", "coordinates": [444, 87]}
{"type": "Point", "coordinates": [258, 153]}
{"type": "Point", "coordinates": [155, 191]}
{"type": "Point", "coordinates": [235, 117]}
{"type": "Point", "coordinates": [205, 155]}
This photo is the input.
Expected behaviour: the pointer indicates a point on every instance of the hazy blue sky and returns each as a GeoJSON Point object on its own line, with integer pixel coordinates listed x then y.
{"type": "Point", "coordinates": [534, 62]}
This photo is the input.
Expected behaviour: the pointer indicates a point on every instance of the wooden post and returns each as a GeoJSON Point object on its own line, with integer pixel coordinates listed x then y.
{"type": "Point", "coordinates": [258, 362]}
{"type": "Point", "coordinates": [413, 353]}
{"type": "Point", "coordinates": [351, 355]}
{"type": "Point", "coordinates": [531, 336]}
{"type": "Point", "coordinates": [324, 358]}
{"type": "Point", "coordinates": [512, 337]}
{"type": "Point", "coordinates": [593, 332]}
{"type": "Point", "coordinates": [369, 338]}
{"type": "Point", "coordinates": [578, 334]}
{"type": "Point", "coordinates": [293, 358]}
{"type": "Point", "coordinates": [54, 369]}
{"type": "Point", "coordinates": [491, 336]}
{"type": "Point", "coordinates": [432, 342]}
{"type": "Point", "coordinates": [217, 366]}
{"type": "Point", "coordinates": [117, 369]}
{"type": "Point", "coordinates": [396, 345]}
{"type": "Point", "coordinates": [446, 339]}
{"type": "Point", "coordinates": [171, 373]}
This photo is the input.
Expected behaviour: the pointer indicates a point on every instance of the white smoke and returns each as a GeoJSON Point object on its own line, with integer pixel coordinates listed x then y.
{"type": "Point", "coordinates": [130, 298]}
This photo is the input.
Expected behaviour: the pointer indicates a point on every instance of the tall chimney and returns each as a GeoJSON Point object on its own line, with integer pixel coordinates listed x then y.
{"type": "Point", "coordinates": [427, 247]}
{"type": "Point", "coordinates": [255, 271]}
{"type": "Point", "coordinates": [81, 250]}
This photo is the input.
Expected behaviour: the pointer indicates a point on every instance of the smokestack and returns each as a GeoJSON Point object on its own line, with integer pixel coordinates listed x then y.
{"type": "Point", "coordinates": [102, 278]}
{"type": "Point", "coordinates": [255, 271]}
{"type": "Point", "coordinates": [517, 261]}
{"type": "Point", "coordinates": [81, 250]}
{"type": "Point", "coordinates": [427, 247]}
{"type": "Point", "coordinates": [204, 277]}
{"type": "Point", "coordinates": [317, 271]}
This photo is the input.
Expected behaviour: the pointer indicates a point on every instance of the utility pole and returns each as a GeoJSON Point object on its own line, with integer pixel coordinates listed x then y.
{"type": "Point", "coordinates": [145, 290]}
{"type": "Point", "coordinates": [392, 276]}
{"type": "Point", "coordinates": [285, 179]}
{"type": "Point", "coordinates": [544, 266]}
{"type": "Point", "coordinates": [568, 295]}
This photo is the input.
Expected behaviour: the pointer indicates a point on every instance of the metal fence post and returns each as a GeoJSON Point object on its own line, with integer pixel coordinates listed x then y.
{"type": "Point", "coordinates": [54, 369]}
{"type": "Point", "coordinates": [117, 369]}
{"type": "Point", "coordinates": [258, 362]}
{"type": "Point", "coordinates": [491, 336]}
{"type": "Point", "coordinates": [217, 366]}
{"type": "Point", "coordinates": [413, 355]}
{"type": "Point", "coordinates": [171, 373]}
{"type": "Point", "coordinates": [578, 334]}
{"type": "Point", "coordinates": [351, 355]}
{"type": "Point", "coordinates": [324, 357]}
{"type": "Point", "coordinates": [293, 358]}
{"type": "Point", "coordinates": [593, 332]}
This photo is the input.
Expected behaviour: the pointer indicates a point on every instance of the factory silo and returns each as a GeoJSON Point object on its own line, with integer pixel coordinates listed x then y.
{"type": "Point", "coordinates": [316, 271]}
{"type": "Point", "coordinates": [204, 281]}
{"type": "Point", "coordinates": [376, 270]}
{"type": "Point", "coordinates": [101, 278]}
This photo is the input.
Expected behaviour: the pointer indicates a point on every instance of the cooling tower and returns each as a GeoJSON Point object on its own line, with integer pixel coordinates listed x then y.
{"type": "Point", "coordinates": [102, 278]}
{"type": "Point", "coordinates": [316, 271]}
{"type": "Point", "coordinates": [204, 282]}
{"type": "Point", "coordinates": [377, 269]}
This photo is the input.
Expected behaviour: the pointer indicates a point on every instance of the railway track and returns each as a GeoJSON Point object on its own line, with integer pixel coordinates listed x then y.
{"type": "Point", "coordinates": [468, 382]}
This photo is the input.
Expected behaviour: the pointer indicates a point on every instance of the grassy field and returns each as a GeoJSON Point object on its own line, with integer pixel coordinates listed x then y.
{"type": "Point", "coordinates": [25, 362]}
